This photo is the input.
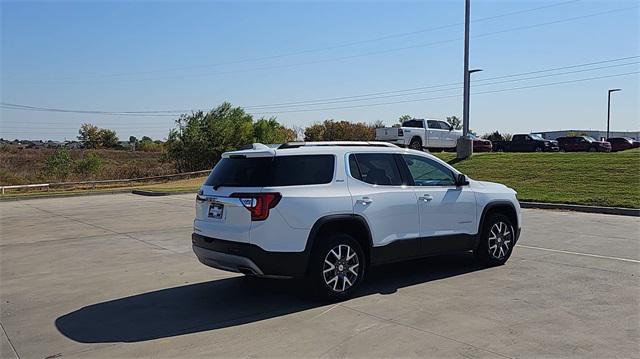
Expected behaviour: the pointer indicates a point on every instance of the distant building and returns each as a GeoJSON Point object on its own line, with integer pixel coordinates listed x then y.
{"type": "Point", "coordinates": [552, 135]}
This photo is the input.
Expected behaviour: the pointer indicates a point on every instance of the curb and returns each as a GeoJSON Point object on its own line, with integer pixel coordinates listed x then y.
{"type": "Point", "coordinates": [620, 211]}
{"type": "Point", "coordinates": [65, 195]}
{"type": "Point", "coordinates": [149, 193]}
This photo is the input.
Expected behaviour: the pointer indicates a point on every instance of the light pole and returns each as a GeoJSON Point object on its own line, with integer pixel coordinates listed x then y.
{"type": "Point", "coordinates": [609, 108]}
{"type": "Point", "coordinates": [464, 145]}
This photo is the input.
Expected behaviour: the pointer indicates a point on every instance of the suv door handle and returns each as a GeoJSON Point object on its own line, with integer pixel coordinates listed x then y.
{"type": "Point", "coordinates": [426, 198]}
{"type": "Point", "coordinates": [365, 200]}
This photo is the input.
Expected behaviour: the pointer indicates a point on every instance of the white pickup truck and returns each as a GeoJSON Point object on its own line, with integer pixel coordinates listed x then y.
{"type": "Point", "coordinates": [420, 134]}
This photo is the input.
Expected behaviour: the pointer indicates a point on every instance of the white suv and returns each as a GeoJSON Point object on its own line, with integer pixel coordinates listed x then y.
{"type": "Point", "coordinates": [329, 210]}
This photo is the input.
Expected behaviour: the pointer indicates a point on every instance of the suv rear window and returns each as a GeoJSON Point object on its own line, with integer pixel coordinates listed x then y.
{"type": "Point", "coordinates": [272, 171]}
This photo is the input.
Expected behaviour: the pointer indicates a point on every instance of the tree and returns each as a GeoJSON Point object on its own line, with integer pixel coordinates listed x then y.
{"type": "Point", "coordinates": [200, 138]}
{"type": "Point", "coordinates": [454, 122]}
{"type": "Point", "coordinates": [59, 163]}
{"type": "Point", "coordinates": [403, 118]}
{"type": "Point", "coordinates": [331, 130]}
{"type": "Point", "coordinates": [497, 136]}
{"type": "Point", "coordinates": [270, 131]}
{"type": "Point", "coordinates": [108, 138]}
{"type": "Point", "coordinates": [89, 135]}
{"type": "Point", "coordinates": [378, 124]}
{"type": "Point", "coordinates": [146, 139]}
{"type": "Point", "coordinates": [133, 140]}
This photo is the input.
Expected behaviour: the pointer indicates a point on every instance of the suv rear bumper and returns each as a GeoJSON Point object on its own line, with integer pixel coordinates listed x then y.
{"type": "Point", "coordinates": [248, 258]}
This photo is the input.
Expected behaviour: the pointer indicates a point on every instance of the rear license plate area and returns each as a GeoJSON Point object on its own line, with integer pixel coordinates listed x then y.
{"type": "Point", "coordinates": [216, 211]}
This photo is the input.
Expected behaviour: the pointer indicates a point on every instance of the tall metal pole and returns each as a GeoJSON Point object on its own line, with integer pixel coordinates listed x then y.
{"type": "Point", "coordinates": [464, 146]}
{"type": "Point", "coordinates": [467, 80]}
{"type": "Point", "coordinates": [608, 112]}
{"type": "Point", "coordinates": [609, 108]}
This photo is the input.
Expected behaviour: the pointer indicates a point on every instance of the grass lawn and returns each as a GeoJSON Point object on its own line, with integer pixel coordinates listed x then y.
{"type": "Point", "coordinates": [601, 179]}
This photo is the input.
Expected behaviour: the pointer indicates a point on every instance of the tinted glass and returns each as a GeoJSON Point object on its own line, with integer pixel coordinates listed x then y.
{"type": "Point", "coordinates": [433, 124]}
{"type": "Point", "coordinates": [444, 125]}
{"type": "Point", "coordinates": [353, 167]}
{"type": "Point", "coordinates": [412, 123]}
{"type": "Point", "coordinates": [426, 172]}
{"type": "Point", "coordinates": [302, 170]}
{"type": "Point", "coordinates": [378, 169]}
{"type": "Point", "coordinates": [270, 171]}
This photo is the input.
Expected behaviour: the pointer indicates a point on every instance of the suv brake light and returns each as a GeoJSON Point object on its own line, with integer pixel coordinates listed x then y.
{"type": "Point", "coordinates": [258, 204]}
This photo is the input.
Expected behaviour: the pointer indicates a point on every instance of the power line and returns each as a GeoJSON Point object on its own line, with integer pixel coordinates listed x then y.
{"type": "Point", "coordinates": [354, 98]}
{"type": "Point", "coordinates": [454, 96]}
{"type": "Point", "coordinates": [367, 54]}
{"type": "Point", "coordinates": [451, 96]}
{"type": "Point", "coordinates": [332, 47]}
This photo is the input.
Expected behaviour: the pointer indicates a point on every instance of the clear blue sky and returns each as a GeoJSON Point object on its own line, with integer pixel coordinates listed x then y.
{"type": "Point", "coordinates": [145, 56]}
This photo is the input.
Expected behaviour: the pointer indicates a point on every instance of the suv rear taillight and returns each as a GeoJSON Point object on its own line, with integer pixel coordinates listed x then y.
{"type": "Point", "coordinates": [400, 132]}
{"type": "Point", "coordinates": [258, 204]}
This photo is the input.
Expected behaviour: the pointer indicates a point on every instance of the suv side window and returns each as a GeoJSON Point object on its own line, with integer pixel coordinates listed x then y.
{"type": "Point", "coordinates": [426, 172]}
{"type": "Point", "coordinates": [375, 168]}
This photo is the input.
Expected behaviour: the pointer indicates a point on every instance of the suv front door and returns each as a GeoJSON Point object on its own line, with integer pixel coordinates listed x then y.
{"type": "Point", "coordinates": [390, 208]}
{"type": "Point", "coordinates": [447, 212]}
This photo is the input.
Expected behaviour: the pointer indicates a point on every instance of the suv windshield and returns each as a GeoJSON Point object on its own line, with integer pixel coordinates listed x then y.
{"type": "Point", "coordinates": [272, 171]}
{"type": "Point", "coordinates": [537, 137]}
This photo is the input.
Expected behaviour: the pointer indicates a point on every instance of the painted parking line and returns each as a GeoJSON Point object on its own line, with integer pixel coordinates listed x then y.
{"type": "Point", "coordinates": [580, 254]}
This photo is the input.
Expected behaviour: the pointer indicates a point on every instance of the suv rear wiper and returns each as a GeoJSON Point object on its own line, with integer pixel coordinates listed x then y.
{"type": "Point", "coordinates": [216, 186]}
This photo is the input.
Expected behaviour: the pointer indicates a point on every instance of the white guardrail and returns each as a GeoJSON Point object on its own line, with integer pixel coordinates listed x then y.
{"type": "Point", "coordinates": [124, 180]}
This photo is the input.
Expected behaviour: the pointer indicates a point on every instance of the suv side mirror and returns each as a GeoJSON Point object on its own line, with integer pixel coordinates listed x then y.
{"type": "Point", "coordinates": [461, 180]}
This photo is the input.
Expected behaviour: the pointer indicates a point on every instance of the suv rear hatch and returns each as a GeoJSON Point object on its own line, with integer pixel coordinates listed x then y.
{"type": "Point", "coordinates": [231, 195]}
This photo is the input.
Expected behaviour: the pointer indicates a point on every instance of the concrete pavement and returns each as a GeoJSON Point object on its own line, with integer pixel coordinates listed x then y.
{"type": "Point", "coordinates": [114, 276]}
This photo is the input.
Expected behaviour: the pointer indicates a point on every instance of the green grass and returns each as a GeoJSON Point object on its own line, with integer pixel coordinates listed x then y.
{"type": "Point", "coordinates": [599, 179]}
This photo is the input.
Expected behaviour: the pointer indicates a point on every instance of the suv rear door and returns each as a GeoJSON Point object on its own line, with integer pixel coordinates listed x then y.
{"type": "Point", "coordinates": [390, 208]}
{"type": "Point", "coordinates": [218, 214]}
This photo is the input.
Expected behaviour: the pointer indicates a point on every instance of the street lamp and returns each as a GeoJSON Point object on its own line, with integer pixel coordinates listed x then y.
{"type": "Point", "coordinates": [465, 144]}
{"type": "Point", "coordinates": [609, 107]}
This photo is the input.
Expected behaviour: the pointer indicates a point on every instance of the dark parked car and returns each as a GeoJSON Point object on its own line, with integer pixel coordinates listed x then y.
{"type": "Point", "coordinates": [583, 143]}
{"type": "Point", "coordinates": [620, 143]}
{"type": "Point", "coordinates": [526, 143]}
{"type": "Point", "coordinates": [480, 144]}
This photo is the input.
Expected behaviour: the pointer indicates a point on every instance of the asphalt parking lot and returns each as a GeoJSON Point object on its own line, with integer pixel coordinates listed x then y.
{"type": "Point", "coordinates": [114, 276]}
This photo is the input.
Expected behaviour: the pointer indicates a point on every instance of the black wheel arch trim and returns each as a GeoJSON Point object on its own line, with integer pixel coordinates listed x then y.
{"type": "Point", "coordinates": [489, 206]}
{"type": "Point", "coordinates": [315, 229]}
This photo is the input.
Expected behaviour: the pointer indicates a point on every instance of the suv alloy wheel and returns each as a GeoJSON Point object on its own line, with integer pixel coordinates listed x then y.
{"type": "Point", "coordinates": [497, 241]}
{"type": "Point", "coordinates": [337, 266]}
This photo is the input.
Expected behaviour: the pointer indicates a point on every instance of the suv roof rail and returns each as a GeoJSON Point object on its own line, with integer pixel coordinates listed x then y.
{"type": "Point", "coordinates": [336, 143]}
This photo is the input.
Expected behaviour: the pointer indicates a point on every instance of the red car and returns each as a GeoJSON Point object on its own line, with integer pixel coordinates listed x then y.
{"type": "Point", "coordinates": [481, 145]}
{"type": "Point", "coordinates": [582, 143]}
{"type": "Point", "coordinates": [620, 143]}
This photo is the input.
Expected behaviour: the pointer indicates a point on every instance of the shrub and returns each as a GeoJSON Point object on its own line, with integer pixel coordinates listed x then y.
{"type": "Point", "coordinates": [331, 130]}
{"type": "Point", "coordinates": [89, 165]}
{"type": "Point", "coordinates": [59, 164]}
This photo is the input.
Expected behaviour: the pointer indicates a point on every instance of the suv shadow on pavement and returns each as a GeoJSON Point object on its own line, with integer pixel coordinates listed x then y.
{"type": "Point", "coordinates": [233, 301]}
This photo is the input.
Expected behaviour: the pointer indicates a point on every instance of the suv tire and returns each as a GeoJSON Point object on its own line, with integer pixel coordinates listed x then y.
{"type": "Point", "coordinates": [337, 266]}
{"type": "Point", "coordinates": [496, 241]}
{"type": "Point", "coordinates": [416, 144]}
